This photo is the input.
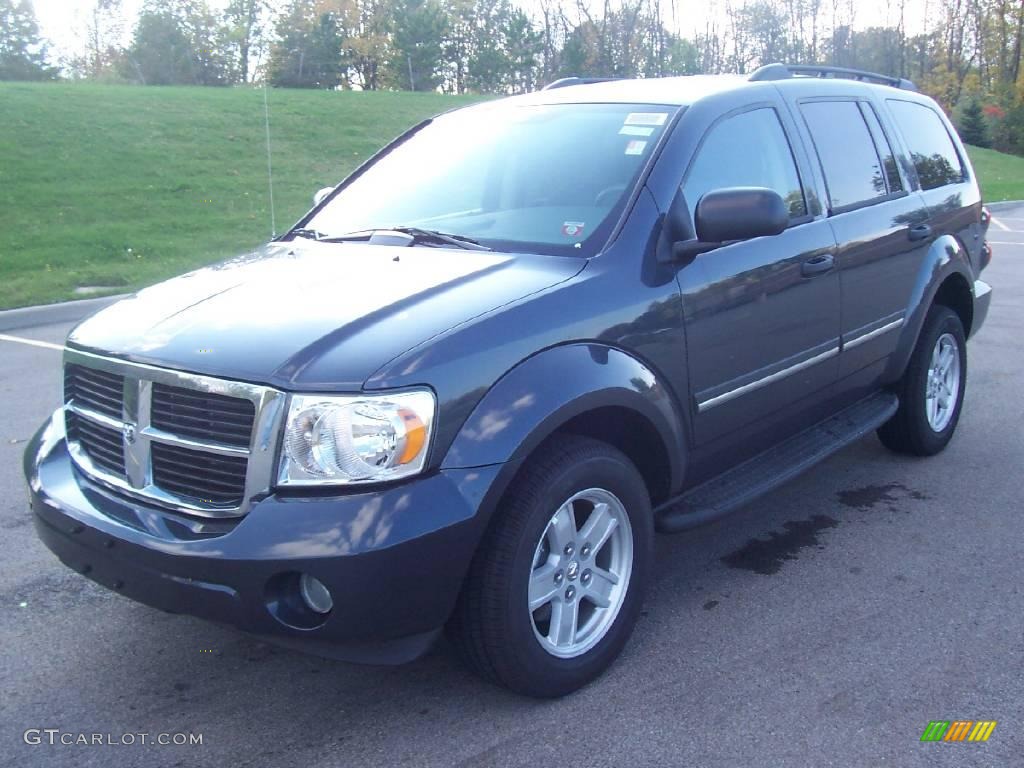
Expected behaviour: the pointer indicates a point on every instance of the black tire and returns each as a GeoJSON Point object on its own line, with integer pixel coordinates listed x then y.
{"type": "Point", "coordinates": [909, 430]}
{"type": "Point", "coordinates": [492, 626]}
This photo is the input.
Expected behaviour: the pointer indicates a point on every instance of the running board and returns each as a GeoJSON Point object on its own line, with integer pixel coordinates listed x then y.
{"type": "Point", "coordinates": [721, 495]}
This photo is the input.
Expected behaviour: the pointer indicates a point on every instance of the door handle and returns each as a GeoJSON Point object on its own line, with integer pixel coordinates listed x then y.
{"type": "Point", "coordinates": [817, 265]}
{"type": "Point", "coordinates": [919, 232]}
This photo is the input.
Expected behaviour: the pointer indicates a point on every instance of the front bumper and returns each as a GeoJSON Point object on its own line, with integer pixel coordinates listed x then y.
{"type": "Point", "coordinates": [394, 559]}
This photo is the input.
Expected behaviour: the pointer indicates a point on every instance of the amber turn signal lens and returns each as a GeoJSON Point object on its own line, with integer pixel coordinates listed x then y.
{"type": "Point", "coordinates": [415, 435]}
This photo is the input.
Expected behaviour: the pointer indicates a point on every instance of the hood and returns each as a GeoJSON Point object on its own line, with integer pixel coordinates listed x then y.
{"type": "Point", "coordinates": [275, 315]}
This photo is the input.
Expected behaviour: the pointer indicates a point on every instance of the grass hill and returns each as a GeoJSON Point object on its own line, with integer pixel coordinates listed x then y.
{"type": "Point", "coordinates": [1001, 175]}
{"type": "Point", "coordinates": [122, 186]}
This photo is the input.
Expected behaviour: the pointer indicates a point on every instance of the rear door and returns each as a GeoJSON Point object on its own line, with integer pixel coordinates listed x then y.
{"type": "Point", "coordinates": [937, 158]}
{"type": "Point", "coordinates": [762, 319]}
{"type": "Point", "coordinates": [880, 225]}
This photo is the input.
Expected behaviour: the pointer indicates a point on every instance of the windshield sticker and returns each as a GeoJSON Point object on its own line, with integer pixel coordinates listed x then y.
{"type": "Point", "coordinates": [572, 228]}
{"type": "Point", "coordinates": [635, 147]}
{"type": "Point", "coordinates": [646, 118]}
{"type": "Point", "coordinates": [635, 130]}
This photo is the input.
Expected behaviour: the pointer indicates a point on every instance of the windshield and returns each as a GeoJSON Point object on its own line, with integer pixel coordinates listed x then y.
{"type": "Point", "coordinates": [545, 179]}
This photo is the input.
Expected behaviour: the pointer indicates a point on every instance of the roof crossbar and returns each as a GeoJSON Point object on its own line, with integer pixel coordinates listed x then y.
{"type": "Point", "coordinates": [567, 81]}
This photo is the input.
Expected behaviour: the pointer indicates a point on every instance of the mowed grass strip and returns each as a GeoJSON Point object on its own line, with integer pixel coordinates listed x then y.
{"type": "Point", "coordinates": [122, 186]}
{"type": "Point", "coordinates": [1001, 175]}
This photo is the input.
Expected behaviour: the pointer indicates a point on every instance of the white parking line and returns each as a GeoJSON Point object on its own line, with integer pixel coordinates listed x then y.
{"type": "Point", "coordinates": [1002, 242]}
{"type": "Point", "coordinates": [32, 342]}
{"type": "Point", "coordinates": [1000, 224]}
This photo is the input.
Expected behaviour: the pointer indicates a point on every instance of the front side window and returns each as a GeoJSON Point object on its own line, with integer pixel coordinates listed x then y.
{"type": "Point", "coordinates": [547, 179]}
{"type": "Point", "coordinates": [746, 150]}
{"type": "Point", "coordinates": [931, 148]}
{"type": "Point", "coordinates": [846, 151]}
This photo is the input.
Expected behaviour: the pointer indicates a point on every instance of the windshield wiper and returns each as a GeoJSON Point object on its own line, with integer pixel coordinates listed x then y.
{"type": "Point", "coordinates": [432, 235]}
{"type": "Point", "coordinates": [416, 233]}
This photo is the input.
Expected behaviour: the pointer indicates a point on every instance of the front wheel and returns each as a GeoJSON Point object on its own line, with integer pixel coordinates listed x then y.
{"type": "Point", "coordinates": [556, 586]}
{"type": "Point", "coordinates": [931, 391]}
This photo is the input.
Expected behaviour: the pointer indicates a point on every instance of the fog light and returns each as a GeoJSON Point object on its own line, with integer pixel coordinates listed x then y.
{"type": "Point", "coordinates": [315, 594]}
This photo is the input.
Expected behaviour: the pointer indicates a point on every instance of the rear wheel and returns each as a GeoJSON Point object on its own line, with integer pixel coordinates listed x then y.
{"type": "Point", "coordinates": [555, 588]}
{"type": "Point", "coordinates": [932, 389]}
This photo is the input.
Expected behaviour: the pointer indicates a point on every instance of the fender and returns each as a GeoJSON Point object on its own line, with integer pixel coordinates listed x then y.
{"type": "Point", "coordinates": [945, 257]}
{"type": "Point", "coordinates": [549, 388]}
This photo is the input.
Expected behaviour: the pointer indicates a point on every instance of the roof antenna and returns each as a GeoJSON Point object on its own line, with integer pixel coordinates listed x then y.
{"type": "Point", "coordinates": [270, 168]}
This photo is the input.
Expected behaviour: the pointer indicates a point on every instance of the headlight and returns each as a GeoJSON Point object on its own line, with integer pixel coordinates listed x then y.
{"type": "Point", "coordinates": [345, 439]}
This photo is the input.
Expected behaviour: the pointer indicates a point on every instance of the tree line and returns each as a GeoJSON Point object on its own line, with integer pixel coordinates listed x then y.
{"type": "Point", "coordinates": [969, 58]}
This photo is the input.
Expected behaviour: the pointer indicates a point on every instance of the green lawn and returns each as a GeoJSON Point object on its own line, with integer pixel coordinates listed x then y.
{"type": "Point", "coordinates": [1002, 176]}
{"type": "Point", "coordinates": [123, 186]}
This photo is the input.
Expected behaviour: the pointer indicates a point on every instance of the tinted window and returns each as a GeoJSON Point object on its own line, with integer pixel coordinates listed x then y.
{"type": "Point", "coordinates": [747, 150]}
{"type": "Point", "coordinates": [931, 149]}
{"type": "Point", "coordinates": [892, 171]}
{"type": "Point", "coordinates": [853, 172]}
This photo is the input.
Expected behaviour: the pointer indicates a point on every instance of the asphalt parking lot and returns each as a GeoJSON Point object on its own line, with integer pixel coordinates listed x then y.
{"type": "Point", "coordinates": [826, 624]}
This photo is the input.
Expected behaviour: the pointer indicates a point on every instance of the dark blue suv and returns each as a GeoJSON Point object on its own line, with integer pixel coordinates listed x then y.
{"type": "Point", "coordinates": [468, 386]}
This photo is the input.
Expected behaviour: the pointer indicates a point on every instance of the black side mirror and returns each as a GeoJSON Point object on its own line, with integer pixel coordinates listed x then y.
{"type": "Point", "coordinates": [740, 213]}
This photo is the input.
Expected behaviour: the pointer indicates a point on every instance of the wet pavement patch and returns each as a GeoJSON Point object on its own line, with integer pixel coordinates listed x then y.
{"type": "Point", "coordinates": [710, 604]}
{"type": "Point", "coordinates": [872, 495]}
{"type": "Point", "coordinates": [767, 556]}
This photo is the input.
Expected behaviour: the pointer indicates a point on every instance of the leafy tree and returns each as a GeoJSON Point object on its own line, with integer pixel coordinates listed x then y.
{"type": "Point", "coordinates": [366, 48]}
{"type": "Point", "coordinates": [208, 36]}
{"type": "Point", "coordinates": [178, 42]}
{"type": "Point", "coordinates": [972, 125]}
{"type": "Point", "coordinates": [22, 51]}
{"type": "Point", "coordinates": [101, 34]}
{"type": "Point", "coordinates": [160, 53]}
{"type": "Point", "coordinates": [505, 49]}
{"type": "Point", "coordinates": [523, 48]}
{"type": "Point", "coordinates": [309, 49]}
{"type": "Point", "coordinates": [417, 46]}
{"type": "Point", "coordinates": [245, 20]}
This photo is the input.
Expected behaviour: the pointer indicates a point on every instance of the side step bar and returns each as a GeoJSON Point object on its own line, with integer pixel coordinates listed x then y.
{"type": "Point", "coordinates": [721, 495]}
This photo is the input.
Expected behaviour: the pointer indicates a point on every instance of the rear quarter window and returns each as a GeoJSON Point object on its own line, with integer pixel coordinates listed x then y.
{"type": "Point", "coordinates": [931, 148]}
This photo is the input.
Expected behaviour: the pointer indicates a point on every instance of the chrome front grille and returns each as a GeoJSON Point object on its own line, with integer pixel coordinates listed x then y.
{"type": "Point", "coordinates": [198, 475]}
{"type": "Point", "coordinates": [94, 388]}
{"type": "Point", "coordinates": [101, 444]}
{"type": "Point", "coordinates": [202, 415]}
{"type": "Point", "coordinates": [193, 443]}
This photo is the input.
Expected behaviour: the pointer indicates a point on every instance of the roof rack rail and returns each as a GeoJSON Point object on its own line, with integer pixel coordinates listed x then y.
{"type": "Point", "coordinates": [786, 71]}
{"type": "Point", "coordinates": [567, 81]}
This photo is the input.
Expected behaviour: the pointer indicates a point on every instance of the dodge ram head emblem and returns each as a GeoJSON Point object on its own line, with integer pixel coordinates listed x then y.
{"type": "Point", "coordinates": [128, 433]}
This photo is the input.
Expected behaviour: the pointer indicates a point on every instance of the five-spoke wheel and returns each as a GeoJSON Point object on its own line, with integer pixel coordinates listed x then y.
{"type": "Point", "coordinates": [931, 391]}
{"type": "Point", "coordinates": [557, 583]}
{"type": "Point", "coordinates": [581, 570]}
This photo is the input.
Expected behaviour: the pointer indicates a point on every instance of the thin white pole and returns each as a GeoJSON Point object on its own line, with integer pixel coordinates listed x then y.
{"type": "Point", "coordinates": [270, 167]}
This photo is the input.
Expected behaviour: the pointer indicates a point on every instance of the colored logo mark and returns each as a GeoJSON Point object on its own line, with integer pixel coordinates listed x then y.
{"type": "Point", "coordinates": [958, 730]}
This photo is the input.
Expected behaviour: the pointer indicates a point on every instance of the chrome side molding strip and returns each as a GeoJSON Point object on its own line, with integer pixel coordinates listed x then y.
{"type": "Point", "coordinates": [874, 334]}
{"type": "Point", "coordinates": [725, 397]}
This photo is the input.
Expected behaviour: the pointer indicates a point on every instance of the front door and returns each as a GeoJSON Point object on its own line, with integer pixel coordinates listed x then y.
{"type": "Point", "coordinates": [762, 316]}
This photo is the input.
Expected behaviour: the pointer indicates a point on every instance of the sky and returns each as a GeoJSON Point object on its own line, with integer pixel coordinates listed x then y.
{"type": "Point", "coordinates": [60, 21]}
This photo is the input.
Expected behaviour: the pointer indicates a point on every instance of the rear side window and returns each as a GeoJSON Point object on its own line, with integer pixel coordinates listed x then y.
{"type": "Point", "coordinates": [931, 148]}
{"type": "Point", "coordinates": [852, 168]}
{"type": "Point", "coordinates": [747, 150]}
